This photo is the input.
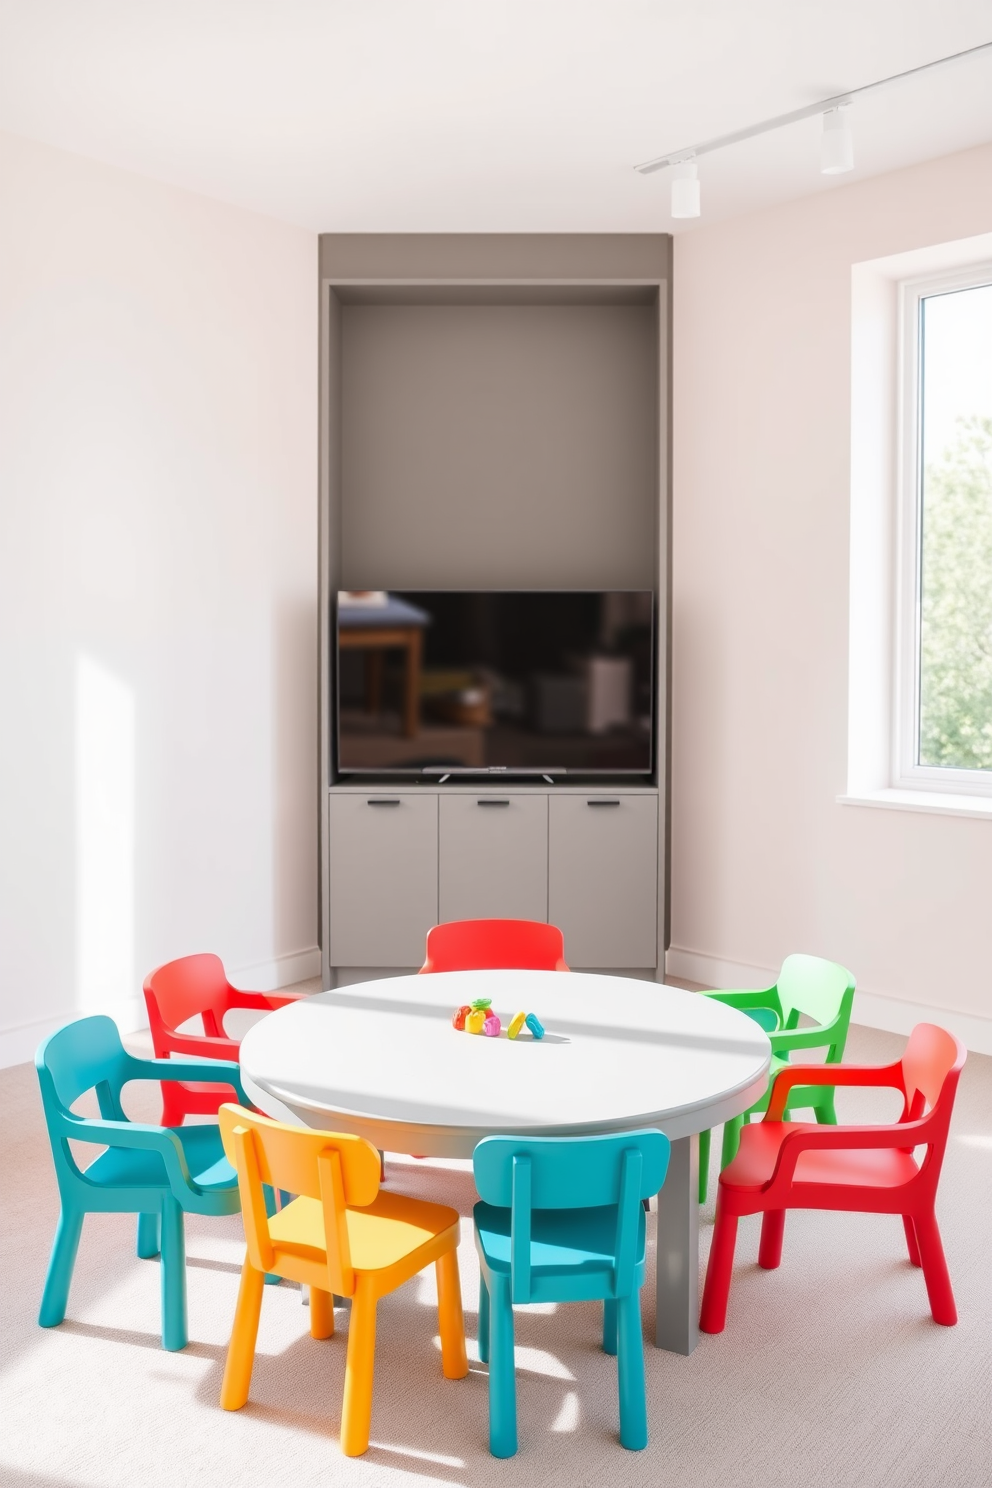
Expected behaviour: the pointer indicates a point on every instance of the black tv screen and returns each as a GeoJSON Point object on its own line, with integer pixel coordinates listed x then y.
{"type": "Point", "coordinates": [525, 682]}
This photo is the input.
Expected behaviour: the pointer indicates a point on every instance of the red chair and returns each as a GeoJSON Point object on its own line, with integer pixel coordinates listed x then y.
{"type": "Point", "coordinates": [190, 987]}
{"type": "Point", "coordinates": [864, 1169]}
{"type": "Point", "coordinates": [495, 945]}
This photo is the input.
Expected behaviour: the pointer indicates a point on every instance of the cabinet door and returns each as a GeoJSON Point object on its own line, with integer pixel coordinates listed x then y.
{"type": "Point", "coordinates": [603, 878]}
{"type": "Point", "coordinates": [383, 877]}
{"type": "Point", "coordinates": [493, 857]}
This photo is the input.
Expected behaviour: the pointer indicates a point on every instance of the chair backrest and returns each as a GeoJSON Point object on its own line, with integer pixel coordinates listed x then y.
{"type": "Point", "coordinates": [820, 989]}
{"type": "Point", "coordinates": [523, 1174]}
{"type": "Point", "coordinates": [485, 945]}
{"type": "Point", "coordinates": [183, 989]}
{"type": "Point", "coordinates": [339, 1170]}
{"type": "Point", "coordinates": [931, 1066]}
{"type": "Point", "coordinates": [84, 1055]}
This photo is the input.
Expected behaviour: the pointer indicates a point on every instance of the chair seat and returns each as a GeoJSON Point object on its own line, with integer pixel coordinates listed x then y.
{"type": "Point", "coordinates": [135, 1167]}
{"type": "Point", "coordinates": [864, 1167]}
{"type": "Point", "coordinates": [564, 1242]}
{"type": "Point", "coordinates": [390, 1230]}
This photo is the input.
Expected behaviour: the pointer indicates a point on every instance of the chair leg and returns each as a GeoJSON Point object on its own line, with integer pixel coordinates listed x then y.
{"type": "Point", "coordinates": [826, 1111]}
{"type": "Point", "coordinates": [502, 1379]}
{"type": "Point", "coordinates": [173, 1110]}
{"type": "Point", "coordinates": [148, 1241]}
{"type": "Point", "coordinates": [609, 1325]}
{"type": "Point", "coordinates": [55, 1296]}
{"type": "Point", "coordinates": [321, 1313]}
{"type": "Point", "coordinates": [451, 1323]}
{"type": "Point", "coordinates": [483, 1319]}
{"type": "Point", "coordinates": [909, 1226]}
{"type": "Point", "coordinates": [935, 1270]}
{"type": "Point", "coordinates": [630, 1373]}
{"type": "Point", "coordinates": [704, 1165]}
{"type": "Point", "coordinates": [731, 1140]}
{"type": "Point", "coordinates": [241, 1349]}
{"type": "Point", "coordinates": [770, 1245]}
{"type": "Point", "coordinates": [719, 1269]}
{"type": "Point", "coordinates": [175, 1332]}
{"type": "Point", "coordinates": [356, 1412]}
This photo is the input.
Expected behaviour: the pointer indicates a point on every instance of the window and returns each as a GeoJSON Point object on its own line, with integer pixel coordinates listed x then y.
{"type": "Point", "coordinates": [943, 723]}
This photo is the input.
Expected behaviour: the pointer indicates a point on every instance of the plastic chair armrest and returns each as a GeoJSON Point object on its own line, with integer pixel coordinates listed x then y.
{"type": "Point", "coordinates": [261, 1002]}
{"type": "Point", "coordinates": [209, 1072]}
{"type": "Point", "coordinates": [829, 1074]}
{"type": "Point", "coordinates": [134, 1134]}
{"type": "Point", "coordinates": [202, 1046]}
{"type": "Point", "coordinates": [906, 1135]}
{"type": "Point", "coordinates": [805, 1038]}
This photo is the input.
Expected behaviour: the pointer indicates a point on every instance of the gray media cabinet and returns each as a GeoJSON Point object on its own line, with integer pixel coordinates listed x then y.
{"type": "Point", "coordinates": [494, 414]}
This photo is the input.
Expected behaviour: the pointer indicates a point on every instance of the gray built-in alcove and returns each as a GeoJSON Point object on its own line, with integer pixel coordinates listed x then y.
{"type": "Point", "coordinates": [498, 446]}
{"type": "Point", "coordinates": [494, 414]}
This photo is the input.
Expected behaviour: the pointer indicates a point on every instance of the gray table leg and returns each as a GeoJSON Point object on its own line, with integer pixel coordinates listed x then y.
{"type": "Point", "coordinates": [677, 1316]}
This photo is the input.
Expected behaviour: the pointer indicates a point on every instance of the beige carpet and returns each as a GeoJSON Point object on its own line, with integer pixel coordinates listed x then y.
{"type": "Point", "coordinates": [830, 1372]}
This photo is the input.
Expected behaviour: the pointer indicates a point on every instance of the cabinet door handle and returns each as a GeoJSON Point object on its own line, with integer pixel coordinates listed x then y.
{"type": "Point", "coordinates": [601, 802]}
{"type": "Point", "coordinates": [383, 801]}
{"type": "Point", "coordinates": [490, 802]}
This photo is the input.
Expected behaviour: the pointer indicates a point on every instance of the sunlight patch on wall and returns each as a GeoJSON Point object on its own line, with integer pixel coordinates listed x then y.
{"type": "Point", "coordinates": [105, 837]}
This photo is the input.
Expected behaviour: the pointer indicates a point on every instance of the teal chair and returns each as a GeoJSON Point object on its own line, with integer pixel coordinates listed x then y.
{"type": "Point", "coordinates": [561, 1220]}
{"type": "Point", "coordinates": [807, 986]}
{"type": "Point", "coordinates": [156, 1172]}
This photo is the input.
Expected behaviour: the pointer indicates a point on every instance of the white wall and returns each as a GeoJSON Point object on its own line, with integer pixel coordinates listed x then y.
{"type": "Point", "coordinates": [765, 861]}
{"type": "Point", "coordinates": [158, 567]}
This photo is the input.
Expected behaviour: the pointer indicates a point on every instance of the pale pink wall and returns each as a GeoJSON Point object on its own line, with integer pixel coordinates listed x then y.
{"type": "Point", "coordinates": [764, 859]}
{"type": "Point", "coordinates": [158, 578]}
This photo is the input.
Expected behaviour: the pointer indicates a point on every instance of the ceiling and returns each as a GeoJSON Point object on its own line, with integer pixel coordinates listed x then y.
{"type": "Point", "coordinates": [485, 115]}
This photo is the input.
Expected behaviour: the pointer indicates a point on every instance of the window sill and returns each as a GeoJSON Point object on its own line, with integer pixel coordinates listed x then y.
{"type": "Point", "coordinates": [938, 802]}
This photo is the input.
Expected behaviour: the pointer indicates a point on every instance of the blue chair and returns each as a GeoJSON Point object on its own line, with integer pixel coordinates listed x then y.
{"type": "Point", "coordinates": [561, 1220]}
{"type": "Point", "coordinates": [156, 1172]}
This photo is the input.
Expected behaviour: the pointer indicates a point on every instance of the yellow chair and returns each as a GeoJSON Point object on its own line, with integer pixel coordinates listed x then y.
{"type": "Point", "coordinates": [341, 1235]}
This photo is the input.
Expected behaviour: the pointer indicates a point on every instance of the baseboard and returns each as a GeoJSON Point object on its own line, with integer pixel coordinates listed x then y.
{"type": "Point", "coordinates": [18, 1044]}
{"type": "Point", "coordinates": [283, 971]}
{"type": "Point", "coordinates": [871, 1009]}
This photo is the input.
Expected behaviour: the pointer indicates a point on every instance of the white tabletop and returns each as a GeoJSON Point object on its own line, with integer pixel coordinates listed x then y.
{"type": "Point", "coordinates": [381, 1059]}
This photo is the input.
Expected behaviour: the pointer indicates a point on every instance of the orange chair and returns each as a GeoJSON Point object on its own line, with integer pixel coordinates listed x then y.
{"type": "Point", "coordinates": [190, 987]}
{"type": "Point", "coordinates": [487, 945]}
{"type": "Point", "coordinates": [784, 1165]}
{"type": "Point", "coordinates": [343, 1236]}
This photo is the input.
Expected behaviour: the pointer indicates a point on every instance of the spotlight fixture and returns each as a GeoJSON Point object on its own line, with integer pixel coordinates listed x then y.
{"type": "Point", "coordinates": [685, 189]}
{"type": "Point", "coordinates": [836, 149]}
{"type": "Point", "coordinates": [836, 144]}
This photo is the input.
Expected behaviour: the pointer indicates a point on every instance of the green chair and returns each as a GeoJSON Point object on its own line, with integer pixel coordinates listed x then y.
{"type": "Point", "coordinates": [807, 987]}
{"type": "Point", "coordinates": [155, 1172]}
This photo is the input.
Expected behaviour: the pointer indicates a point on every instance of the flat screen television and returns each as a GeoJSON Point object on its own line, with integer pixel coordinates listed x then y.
{"type": "Point", "coordinates": [514, 682]}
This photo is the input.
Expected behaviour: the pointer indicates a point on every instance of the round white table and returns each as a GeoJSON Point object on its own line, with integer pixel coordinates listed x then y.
{"type": "Point", "coordinates": [382, 1059]}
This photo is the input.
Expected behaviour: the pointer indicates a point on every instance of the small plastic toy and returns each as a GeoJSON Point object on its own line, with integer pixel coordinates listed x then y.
{"type": "Point", "coordinates": [535, 1025]}
{"type": "Point", "coordinates": [478, 1017]}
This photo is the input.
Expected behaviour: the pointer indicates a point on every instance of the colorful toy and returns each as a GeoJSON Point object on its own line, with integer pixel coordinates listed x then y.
{"type": "Point", "coordinates": [478, 1017]}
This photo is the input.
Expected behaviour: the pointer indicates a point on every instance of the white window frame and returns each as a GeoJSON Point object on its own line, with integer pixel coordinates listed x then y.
{"type": "Point", "coordinates": [907, 773]}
